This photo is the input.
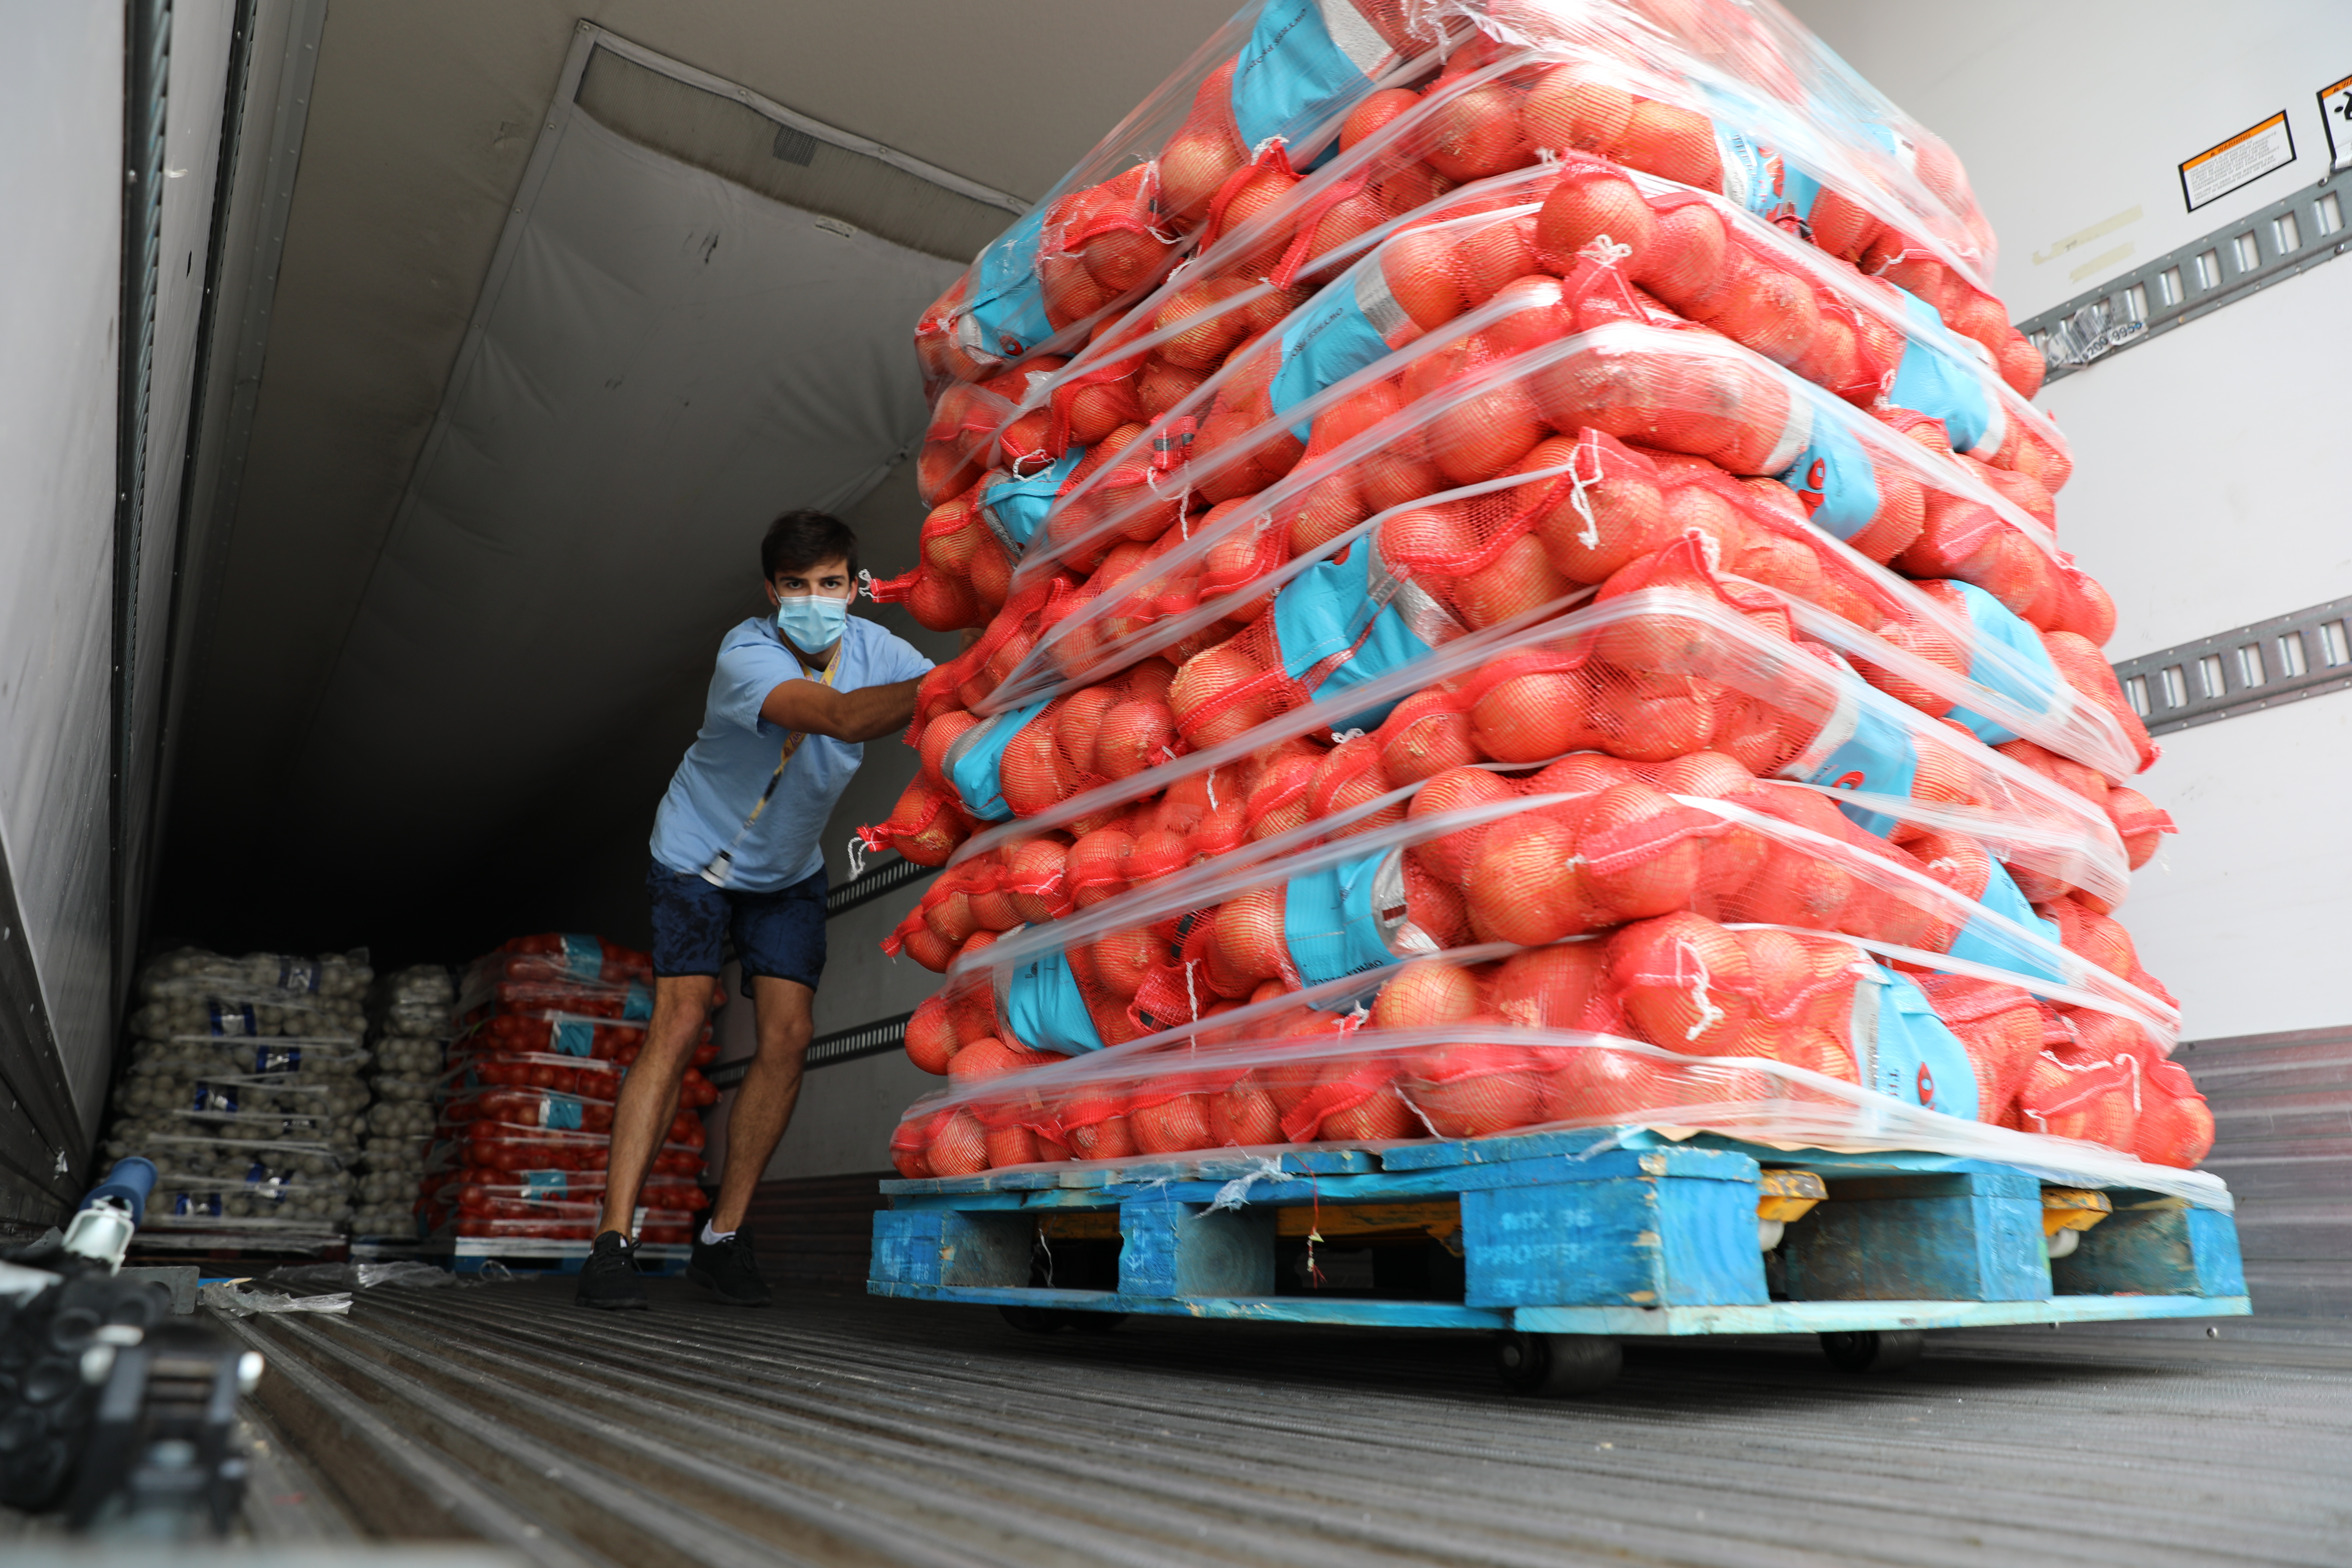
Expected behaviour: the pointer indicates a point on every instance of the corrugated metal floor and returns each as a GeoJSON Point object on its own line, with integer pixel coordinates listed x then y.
{"type": "Point", "coordinates": [842, 1430]}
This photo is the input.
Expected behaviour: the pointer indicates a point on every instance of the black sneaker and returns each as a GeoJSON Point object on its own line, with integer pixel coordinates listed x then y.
{"type": "Point", "coordinates": [609, 1278]}
{"type": "Point", "coordinates": [727, 1269]}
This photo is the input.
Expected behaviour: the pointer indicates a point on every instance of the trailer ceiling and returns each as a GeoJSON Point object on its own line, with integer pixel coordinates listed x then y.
{"type": "Point", "coordinates": [422, 118]}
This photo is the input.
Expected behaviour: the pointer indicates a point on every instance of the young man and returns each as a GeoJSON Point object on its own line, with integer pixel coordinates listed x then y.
{"type": "Point", "coordinates": [735, 850]}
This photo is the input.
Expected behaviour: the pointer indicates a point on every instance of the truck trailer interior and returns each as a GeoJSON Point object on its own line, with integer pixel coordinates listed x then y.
{"type": "Point", "coordinates": [392, 397]}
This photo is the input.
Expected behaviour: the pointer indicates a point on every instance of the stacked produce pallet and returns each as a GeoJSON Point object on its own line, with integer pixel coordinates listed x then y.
{"type": "Point", "coordinates": [547, 1028]}
{"type": "Point", "coordinates": [412, 1023]}
{"type": "Point", "coordinates": [1550, 617]}
{"type": "Point", "coordinates": [243, 1085]}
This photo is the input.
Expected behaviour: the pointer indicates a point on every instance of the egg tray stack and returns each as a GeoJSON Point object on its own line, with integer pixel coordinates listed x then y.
{"type": "Point", "coordinates": [414, 1012]}
{"type": "Point", "coordinates": [244, 1086]}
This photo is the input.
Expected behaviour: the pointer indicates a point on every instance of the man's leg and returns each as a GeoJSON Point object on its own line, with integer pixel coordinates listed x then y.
{"type": "Point", "coordinates": [780, 938]}
{"type": "Point", "coordinates": [648, 1101]}
{"type": "Point", "coordinates": [765, 1102]}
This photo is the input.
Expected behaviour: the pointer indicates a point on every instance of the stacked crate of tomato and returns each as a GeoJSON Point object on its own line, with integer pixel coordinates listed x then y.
{"type": "Point", "coordinates": [548, 1027]}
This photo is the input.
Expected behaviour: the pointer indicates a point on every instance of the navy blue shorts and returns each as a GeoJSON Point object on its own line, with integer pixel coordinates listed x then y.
{"type": "Point", "coordinates": [779, 933]}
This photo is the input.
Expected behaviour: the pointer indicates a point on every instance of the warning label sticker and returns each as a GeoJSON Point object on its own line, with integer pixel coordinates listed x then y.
{"type": "Point", "coordinates": [2335, 113]}
{"type": "Point", "coordinates": [2241, 160]}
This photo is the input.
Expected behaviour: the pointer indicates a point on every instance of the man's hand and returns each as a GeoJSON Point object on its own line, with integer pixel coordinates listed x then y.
{"type": "Point", "coordinates": [816, 708]}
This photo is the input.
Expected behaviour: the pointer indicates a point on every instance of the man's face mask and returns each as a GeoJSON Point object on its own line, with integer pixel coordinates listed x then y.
{"type": "Point", "coordinates": [812, 622]}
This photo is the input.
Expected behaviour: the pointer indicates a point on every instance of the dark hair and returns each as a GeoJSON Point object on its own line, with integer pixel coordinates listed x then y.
{"type": "Point", "coordinates": [799, 540]}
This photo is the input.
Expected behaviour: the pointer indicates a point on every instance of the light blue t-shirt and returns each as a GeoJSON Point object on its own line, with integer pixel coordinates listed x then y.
{"type": "Point", "coordinates": [730, 763]}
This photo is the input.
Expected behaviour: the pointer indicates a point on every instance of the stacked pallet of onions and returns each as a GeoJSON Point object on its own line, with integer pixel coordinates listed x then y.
{"type": "Point", "coordinates": [1558, 588]}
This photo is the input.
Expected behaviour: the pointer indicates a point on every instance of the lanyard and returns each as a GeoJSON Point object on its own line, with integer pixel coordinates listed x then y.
{"type": "Point", "coordinates": [722, 864]}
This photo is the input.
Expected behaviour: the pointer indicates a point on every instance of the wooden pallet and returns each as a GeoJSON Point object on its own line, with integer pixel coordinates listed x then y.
{"type": "Point", "coordinates": [1598, 1232]}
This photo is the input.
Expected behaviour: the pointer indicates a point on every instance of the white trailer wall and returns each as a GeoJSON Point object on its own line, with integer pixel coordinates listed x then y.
{"type": "Point", "coordinates": [76, 835]}
{"type": "Point", "coordinates": [197, 85]}
{"type": "Point", "coordinates": [2208, 485]}
{"type": "Point", "coordinates": [61, 269]}
{"type": "Point", "coordinates": [2207, 496]}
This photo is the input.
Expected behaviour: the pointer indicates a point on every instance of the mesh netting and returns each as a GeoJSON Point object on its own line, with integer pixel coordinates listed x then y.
{"type": "Point", "coordinates": [552, 1205]}
{"type": "Point", "coordinates": [1521, 545]}
{"type": "Point", "coordinates": [1815, 1030]}
{"type": "Point", "coordinates": [592, 1079]}
{"type": "Point", "coordinates": [1551, 614]}
{"type": "Point", "coordinates": [1077, 278]}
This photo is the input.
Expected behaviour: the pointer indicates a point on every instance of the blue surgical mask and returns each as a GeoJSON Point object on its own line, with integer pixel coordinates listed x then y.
{"type": "Point", "coordinates": [811, 622]}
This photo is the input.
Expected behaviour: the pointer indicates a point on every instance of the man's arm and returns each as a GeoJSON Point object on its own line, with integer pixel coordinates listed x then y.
{"type": "Point", "coordinates": [816, 708]}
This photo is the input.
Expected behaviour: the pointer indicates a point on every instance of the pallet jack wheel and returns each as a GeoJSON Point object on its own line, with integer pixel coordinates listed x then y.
{"type": "Point", "coordinates": [1053, 1319]}
{"type": "Point", "coordinates": [1873, 1350]}
{"type": "Point", "coordinates": [1554, 1366]}
{"type": "Point", "coordinates": [1038, 1320]}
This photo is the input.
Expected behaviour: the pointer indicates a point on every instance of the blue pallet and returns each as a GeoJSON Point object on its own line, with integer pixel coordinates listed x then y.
{"type": "Point", "coordinates": [1611, 1231]}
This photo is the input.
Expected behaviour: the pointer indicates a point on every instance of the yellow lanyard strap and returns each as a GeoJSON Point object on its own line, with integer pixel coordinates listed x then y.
{"type": "Point", "coordinates": [791, 743]}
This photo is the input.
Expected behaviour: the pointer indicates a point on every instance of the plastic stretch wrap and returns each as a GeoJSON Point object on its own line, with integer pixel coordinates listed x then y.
{"type": "Point", "coordinates": [531, 1146]}
{"type": "Point", "coordinates": [554, 1032]}
{"type": "Point", "coordinates": [1544, 358]}
{"type": "Point", "coordinates": [588, 960]}
{"type": "Point", "coordinates": [290, 1055]}
{"type": "Point", "coordinates": [1203, 1089]}
{"type": "Point", "coordinates": [565, 1075]}
{"type": "Point", "coordinates": [260, 1199]}
{"type": "Point", "coordinates": [1587, 844]}
{"type": "Point", "coordinates": [1472, 462]}
{"type": "Point", "coordinates": [1655, 673]}
{"type": "Point", "coordinates": [488, 1193]}
{"type": "Point", "coordinates": [1552, 615]}
{"type": "Point", "coordinates": [1609, 95]}
{"type": "Point", "coordinates": [242, 1084]}
{"type": "Point", "coordinates": [241, 1171]}
{"type": "Point", "coordinates": [553, 1206]}
{"type": "Point", "coordinates": [325, 1098]}
{"type": "Point", "coordinates": [406, 1067]}
{"type": "Point", "coordinates": [1785, 123]}
{"type": "Point", "coordinates": [1271, 86]}
{"type": "Point", "coordinates": [1283, 85]}
{"type": "Point", "coordinates": [412, 1016]}
{"type": "Point", "coordinates": [617, 1001]}
{"type": "Point", "coordinates": [1693, 252]}
{"type": "Point", "coordinates": [546, 1108]}
{"type": "Point", "coordinates": [545, 1029]}
{"type": "Point", "coordinates": [193, 972]}
{"type": "Point", "coordinates": [296, 1003]}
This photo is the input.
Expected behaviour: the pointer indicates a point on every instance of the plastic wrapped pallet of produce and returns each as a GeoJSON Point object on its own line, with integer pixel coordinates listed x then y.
{"type": "Point", "coordinates": [544, 1029]}
{"type": "Point", "coordinates": [1552, 616]}
{"type": "Point", "coordinates": [412, 1023]}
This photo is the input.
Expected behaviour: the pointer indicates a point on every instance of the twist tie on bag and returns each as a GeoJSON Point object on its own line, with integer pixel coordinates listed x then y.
{"type": "Point", "coordinates": [1590, 536]}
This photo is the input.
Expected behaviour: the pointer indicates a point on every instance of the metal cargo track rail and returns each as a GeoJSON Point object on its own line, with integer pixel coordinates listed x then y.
{"type": "Point", "coordinates": [839, 1430]}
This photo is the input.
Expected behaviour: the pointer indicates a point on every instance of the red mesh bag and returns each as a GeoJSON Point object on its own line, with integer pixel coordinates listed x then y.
{"type": "Point", "coordinates": [554, 956]}
{"type": "Point", "coordinates": [563, 1075]}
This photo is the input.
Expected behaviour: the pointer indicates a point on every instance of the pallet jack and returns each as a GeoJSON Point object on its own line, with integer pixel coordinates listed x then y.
{"type": "Point", "coordinates": [108, 1409]}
